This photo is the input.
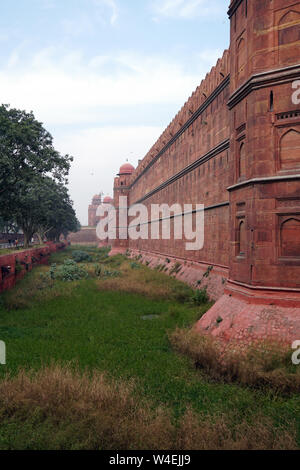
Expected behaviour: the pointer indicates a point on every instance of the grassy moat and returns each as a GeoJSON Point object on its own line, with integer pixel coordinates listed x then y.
{"type": "Point", "coordinates": [92, 364]}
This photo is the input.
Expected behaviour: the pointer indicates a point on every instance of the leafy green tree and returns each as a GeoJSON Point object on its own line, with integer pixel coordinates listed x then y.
{"type": "Point", "coordinates": [44, 208]}
{"type": "Point", "coordinates": [33, 175]}
{"type": "Point", "coordinates": [26, 151]}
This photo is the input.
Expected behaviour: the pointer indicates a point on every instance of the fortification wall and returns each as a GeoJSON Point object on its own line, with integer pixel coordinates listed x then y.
{"type": "Point", "coordinates": [235, 147]}
{"type": "Point", "coordinates": [85, 236]}
{"type": "Point", "coordinates": [190, 164]}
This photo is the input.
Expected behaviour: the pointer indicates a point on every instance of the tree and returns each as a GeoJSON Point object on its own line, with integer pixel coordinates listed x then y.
{"type": "Point", "coordinates": [26, 151]}
{"type": "Point", "coordinates": [44, 208]}
{"type": "Point", "coordinates": [60, 217]}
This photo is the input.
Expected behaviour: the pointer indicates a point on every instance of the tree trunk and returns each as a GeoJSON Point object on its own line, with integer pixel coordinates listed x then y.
{"type": "Point", "coordinates": [41, 241]}
{"type": "Point", "coordinates": [26, 239]}
{"type": "Point", "coordinates": [28, 234]}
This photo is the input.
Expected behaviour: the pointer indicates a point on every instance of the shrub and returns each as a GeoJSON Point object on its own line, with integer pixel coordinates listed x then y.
{"type": "Point", "coordinates": [110, 273]}
{"type": "Point", "coordinates": [104, 272]}
{"type": "Point", "coordinates": [135, 265]}
{"type": "Point", "coordinates": [200, 297]}
{"type": "Point", "coordinates": [80, 256]}
{"type": "Point", "coordinates": [98, 270]}
{"type": "Point", "coordinates": [68, 271]}
{"type": "Point", "coordinates": [207, 272]}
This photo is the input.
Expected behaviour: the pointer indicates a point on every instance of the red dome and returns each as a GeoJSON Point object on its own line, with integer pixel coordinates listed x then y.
{"type": "Point", "coordinates": [107, 200]}
{"type": "Point", "coordinates": [126, 169]}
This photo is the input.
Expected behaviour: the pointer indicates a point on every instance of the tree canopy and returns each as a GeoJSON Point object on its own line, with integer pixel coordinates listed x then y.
{"type": "Point", "coordinates": [33, 178]}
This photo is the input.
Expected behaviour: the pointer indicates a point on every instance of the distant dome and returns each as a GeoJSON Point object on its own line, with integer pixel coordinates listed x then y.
{"type": "Point", "coordinates": [107, 200]}
{"type": "Point", "coordinates": [126, 169]}
{"type": "Point", "coordinates": [97, 198]}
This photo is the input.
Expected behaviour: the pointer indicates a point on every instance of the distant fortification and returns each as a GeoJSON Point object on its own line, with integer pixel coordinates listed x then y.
{"type": "Point", "coordinates": [235, 147]}
{"type": "Point", "coordinates": [87, 235]}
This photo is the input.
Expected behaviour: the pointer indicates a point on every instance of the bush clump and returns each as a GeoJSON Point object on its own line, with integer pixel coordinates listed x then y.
{"type": "Point", "coordinates": [110, 273]}
{"type": "Point", "coordinates": [81, 256]}
{"type": "Point", "coordinates": [103, 272]}
{"type": "Point", "coordinates": [98, 270]}
{"type": "Point", "coordinates": [200, 297]}
{"type": "Point", "coordinates": [135, 265]}
{"type": "Point", "coordinates": [68, 271]}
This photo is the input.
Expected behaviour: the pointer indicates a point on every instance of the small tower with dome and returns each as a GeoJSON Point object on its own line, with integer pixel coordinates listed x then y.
{"type": "Point", "coordinates": [92, 218]}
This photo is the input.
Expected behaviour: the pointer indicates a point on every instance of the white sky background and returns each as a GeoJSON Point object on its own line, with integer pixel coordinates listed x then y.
{"type": "Point", "coordinates": [107, 79]}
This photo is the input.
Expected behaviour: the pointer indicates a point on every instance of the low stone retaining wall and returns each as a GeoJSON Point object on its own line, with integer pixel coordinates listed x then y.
{"type": "Point", "coordinates": [213, 278]}
{"type": "Point", "coordinates": [241, 314]}
{"type": "Point", "coordinates": [245, 316]}
{"type": "Point", "coordinates": [14, 266]}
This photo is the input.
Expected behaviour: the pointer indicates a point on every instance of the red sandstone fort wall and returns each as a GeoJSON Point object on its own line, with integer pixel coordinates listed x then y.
{"type": "Point", "coordinates": [235, 147]}
{"type": "Point", "coordinates": [238, 127]}
{"type": "Point", "coordinates": [190, 164]}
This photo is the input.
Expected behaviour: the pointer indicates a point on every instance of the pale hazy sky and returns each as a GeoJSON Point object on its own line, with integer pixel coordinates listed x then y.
{"type": "Point", "coordinates": [106, 76]}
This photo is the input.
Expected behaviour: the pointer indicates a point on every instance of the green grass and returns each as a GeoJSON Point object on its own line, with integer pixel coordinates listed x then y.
{"type": "Point", "coordinates": [124, 333]}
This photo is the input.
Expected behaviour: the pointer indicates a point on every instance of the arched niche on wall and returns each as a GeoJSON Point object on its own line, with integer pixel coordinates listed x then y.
{"type": "Point", "coordinates": [242, 160]}
{"type": "Point", "coordinates": [241, 59]}
{"type": "Point", "coordinates": [290, 238]}
{"type": "Point", "coordinates": [289, 38]}
{"type": "Point", "coordinates": [242, 239]}
{"type": "Point", "coordinates": [289, 150]}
